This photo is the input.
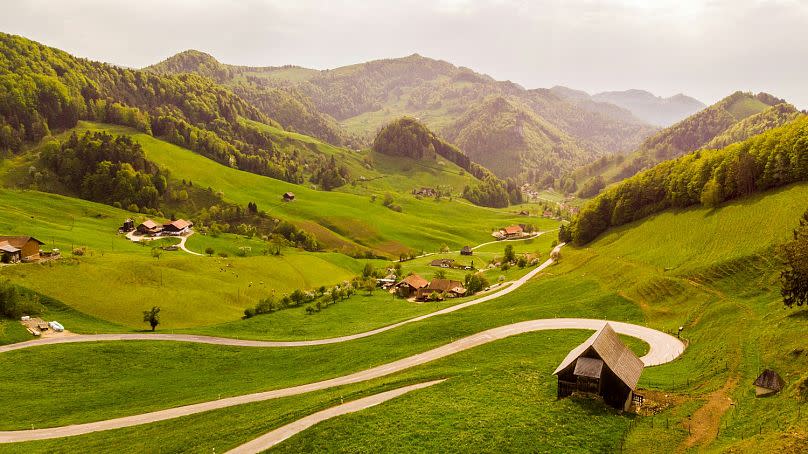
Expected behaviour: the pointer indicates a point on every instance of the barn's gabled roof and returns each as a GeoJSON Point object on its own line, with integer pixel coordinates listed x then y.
{"type": "Point", "coordinates": [615, 355]}
{"type": "Point", "coordinates": [588, 367]}
{"type": "Point", "coordinates": [770, 379]}
{"type": "Point", "coordinates": [415, 281]}
{"type": "Point", "coordinates": [18, 241]}
{"type": "Point", "coordinates": [149, 224]}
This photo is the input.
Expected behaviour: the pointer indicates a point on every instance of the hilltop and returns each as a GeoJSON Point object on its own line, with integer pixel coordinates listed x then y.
{"type": "Point", "coordinates": [732, 119]}
{"type": "Point", "coordinates": [366, 96]}
{"type": "Point", "coordinates": [656, 110]}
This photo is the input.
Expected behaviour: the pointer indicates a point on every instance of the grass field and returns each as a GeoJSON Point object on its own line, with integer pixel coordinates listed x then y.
{"type": "Point", "coordinates": [349, 219]}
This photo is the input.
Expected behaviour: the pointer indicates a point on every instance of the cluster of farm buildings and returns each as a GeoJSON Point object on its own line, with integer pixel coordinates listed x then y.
{"type": "Point", "coordinates": [151, 228]}
{"type": "Point", "coordinates": [512, 232]}
{"type": "Point", "coordinates": [422, 289]}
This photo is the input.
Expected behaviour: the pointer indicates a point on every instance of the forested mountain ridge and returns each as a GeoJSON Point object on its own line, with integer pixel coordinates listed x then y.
{"type": "Point", "coordinates": [408, 137]}
{"type": "Point", "coordinates": [709, 177]}
{"type": "Point", "coordinates": [739, 115]}
{"type": "Point", "coordinates": [287, 105]}
{"type": "Point", "coordinates": [364, 97]}
{"type": "Point", "coordinates": [513, 141]}
{"type": "Point", "coordinates": [43, 89]}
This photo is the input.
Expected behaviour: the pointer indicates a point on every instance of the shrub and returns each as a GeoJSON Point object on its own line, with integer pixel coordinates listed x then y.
{"type": "Point", "coordinates": [209, 250]}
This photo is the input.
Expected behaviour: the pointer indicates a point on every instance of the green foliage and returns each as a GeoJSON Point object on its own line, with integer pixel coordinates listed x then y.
{"type": "Point", "coordinates": [592, 187]}
{"type": "Point", "coordinates": [795, 275]}
{"type": "Point", "coordinates": [733, 119]}
{"type": "Point", "coordinates": [152, 317]}
{"type": "Point", "coordinates": [475, 282]}
{"type": "Point", "coordinates": [14, 303]}
{"type": "Point", "coordinates": [772, 159]}
{"type": "Point", "coordinates": [509, 255]}
{"type": "Point", "coordinates": [106, 168]}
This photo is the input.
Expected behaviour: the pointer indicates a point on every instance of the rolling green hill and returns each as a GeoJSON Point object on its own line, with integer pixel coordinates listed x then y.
{"type": "Point", "coordinates": [734, 118]}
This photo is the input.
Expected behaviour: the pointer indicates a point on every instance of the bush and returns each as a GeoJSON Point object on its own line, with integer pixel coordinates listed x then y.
{"type": "Point", "coordinates": [79, 251]}
{"type": "Point", "coordinates": [209, 250]}
{"type": "Point", "coordinates": [223, 255]}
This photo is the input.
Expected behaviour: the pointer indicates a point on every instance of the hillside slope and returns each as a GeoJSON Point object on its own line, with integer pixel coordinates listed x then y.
{"type": "Point", "coordinates": [293, 110]}
{"type": "Point", "coordinates": [739, 115]}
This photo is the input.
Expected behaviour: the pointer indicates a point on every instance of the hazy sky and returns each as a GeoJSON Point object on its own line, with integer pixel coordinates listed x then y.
{"type": "Point", "coordinates": [706, 49]}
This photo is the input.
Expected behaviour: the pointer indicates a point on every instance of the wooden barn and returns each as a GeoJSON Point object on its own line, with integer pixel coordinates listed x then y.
{"type": "Point", "coordinates": [177, 227]}
{"type": "Point", "coordinates": [601, 366]}
{"type": "Point", "coordinates": [466, 251]}
{"type": "Point", "coordinates": [19, 248]}
{"type": "Point", "coordinates": [288, 196]}
{"type": "Point", "coordinates": [410, 285]}
{"type": "Point", "coordinates": [768, 383]}
{"type": "Point", "coordinates": [149, 227]}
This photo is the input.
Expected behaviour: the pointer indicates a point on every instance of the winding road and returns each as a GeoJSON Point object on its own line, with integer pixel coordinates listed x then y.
{"type": "Point", "coordinates": [257, 343]}
{"type": "Point", "coordinates": [663, 348]}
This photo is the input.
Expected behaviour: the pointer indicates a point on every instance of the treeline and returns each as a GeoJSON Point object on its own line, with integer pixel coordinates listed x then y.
{"type": "Point", "coordinates": [105, 168]}
{"type": "Point", "coordinates": [493, 192]}
{"type": "Point", "coordinates": [286, 105]}
{"type": "Point", "coordinates": [708, 177]}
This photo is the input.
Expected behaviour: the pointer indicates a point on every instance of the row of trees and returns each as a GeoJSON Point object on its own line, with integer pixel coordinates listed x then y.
{"type": "Point", "coordinates": [707, 177]}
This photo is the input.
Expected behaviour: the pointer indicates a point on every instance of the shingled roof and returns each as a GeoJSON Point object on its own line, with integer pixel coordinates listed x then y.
{"type": "Point", "coordinates": [614, 354]}
{"type": "Point", "coordinates": [415, 281]}
{"type": "Point", "coordinates": [18, 241]}
{"type": "Point", "coordinates": [770, 379]}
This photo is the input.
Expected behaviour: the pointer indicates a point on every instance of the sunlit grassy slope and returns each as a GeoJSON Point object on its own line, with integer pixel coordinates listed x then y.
{"type": "Point", "coordinates": [338, 218]}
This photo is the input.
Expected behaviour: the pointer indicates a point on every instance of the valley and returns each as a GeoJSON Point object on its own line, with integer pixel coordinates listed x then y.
{"type": "Point", "coordinates": [392, 256]}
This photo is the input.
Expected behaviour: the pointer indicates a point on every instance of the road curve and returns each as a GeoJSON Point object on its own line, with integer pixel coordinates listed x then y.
{"type": "Point", "coordinates": [662, 349]}
{"type": "Point", "coordinates": [280, 434]}
{"type": "Point", "coordinates": [257, 343]}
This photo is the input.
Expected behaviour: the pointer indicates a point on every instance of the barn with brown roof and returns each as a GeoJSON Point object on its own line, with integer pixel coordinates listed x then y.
{"type": "Point", "coordinates": [149, 227]}
{"type": "Point", "coordinates": [19, 248]}
{"type": "Point", "coordinates": [602, 366]}
{"type": "Point", "coordinates": [410, 285]}
{"type": "Point", "coordinates": [177, 227]}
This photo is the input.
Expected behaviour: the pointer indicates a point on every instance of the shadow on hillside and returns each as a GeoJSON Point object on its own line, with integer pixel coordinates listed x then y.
{"type": "Point", "coordinates": [800, 313]}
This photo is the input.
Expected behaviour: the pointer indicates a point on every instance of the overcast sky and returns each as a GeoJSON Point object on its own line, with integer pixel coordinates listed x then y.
{"type": "Point", "coordinates": [705, 49]}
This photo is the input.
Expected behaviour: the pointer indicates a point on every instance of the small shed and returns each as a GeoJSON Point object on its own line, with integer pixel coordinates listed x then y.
{"type": "Point", "coordinates": [288, 196]}
{"type": "Point", "coordinates": [466, 251]}
{"type": "Point", "coordinates": [768, 383]}
{"type": "Point", "coordinates": [601, 366]}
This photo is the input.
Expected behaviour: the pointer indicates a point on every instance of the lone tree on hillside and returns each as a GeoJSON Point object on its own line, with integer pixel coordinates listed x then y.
{"type": "Point", "coordinates": [152, 317]}
{"type": "Point", "coordinates": [795, 276]}
{"type": "Point", "coordinates": [510, 256]}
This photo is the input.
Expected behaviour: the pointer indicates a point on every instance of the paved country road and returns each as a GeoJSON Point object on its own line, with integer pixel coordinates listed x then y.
{"type": "Point", "coordinates": [257, 343]}
{"type": "Point", "coordinates": [662, 349]}
{"type": "Point", "coordinates": [280, 434]}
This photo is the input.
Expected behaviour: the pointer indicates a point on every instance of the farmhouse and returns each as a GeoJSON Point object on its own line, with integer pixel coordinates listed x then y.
{"type": "Point", "coordinates": [19, 248]}
{"type": "Point", "coordinates": [288, 196]}
{"type": "Point", "coordinates": [513, 231]}
{"type": "Point", "coordinates": [601, 366]}
{"type": "Point", "coordinates": [445, 287]}
{"type": "Point", "coordinates": [178, 227]}
{"type": "Point", "coordinates": [768, 383]}
{"type": "Point", "coordinates": [466, 251]}
{"type": "Point", "coordinates": [443, 263]}
{"type": "Point", "coordinates": [128, 226]}
{"type": "Point", "coordinates": [149, 227]}
{"type": "Point", "coordinates": [425, 192]}
{"type": "Point", "coordinates": [410, 285]}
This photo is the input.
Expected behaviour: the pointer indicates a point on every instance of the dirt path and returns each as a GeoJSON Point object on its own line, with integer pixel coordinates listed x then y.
{"type": "Point", "coordinates": [280, 434]}
{"type": "Point", "coordinates": [663, 348]}
{"type": "Point", "coordinates": [255, 343]}
{"type": "Point", "coordinates": [705, 422]}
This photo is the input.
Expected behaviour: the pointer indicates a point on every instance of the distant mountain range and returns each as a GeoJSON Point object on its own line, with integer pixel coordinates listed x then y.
{"type": "Point", "coordinates": [533, 135]}
{"type": "Point", "coordinates": [652, 109]}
